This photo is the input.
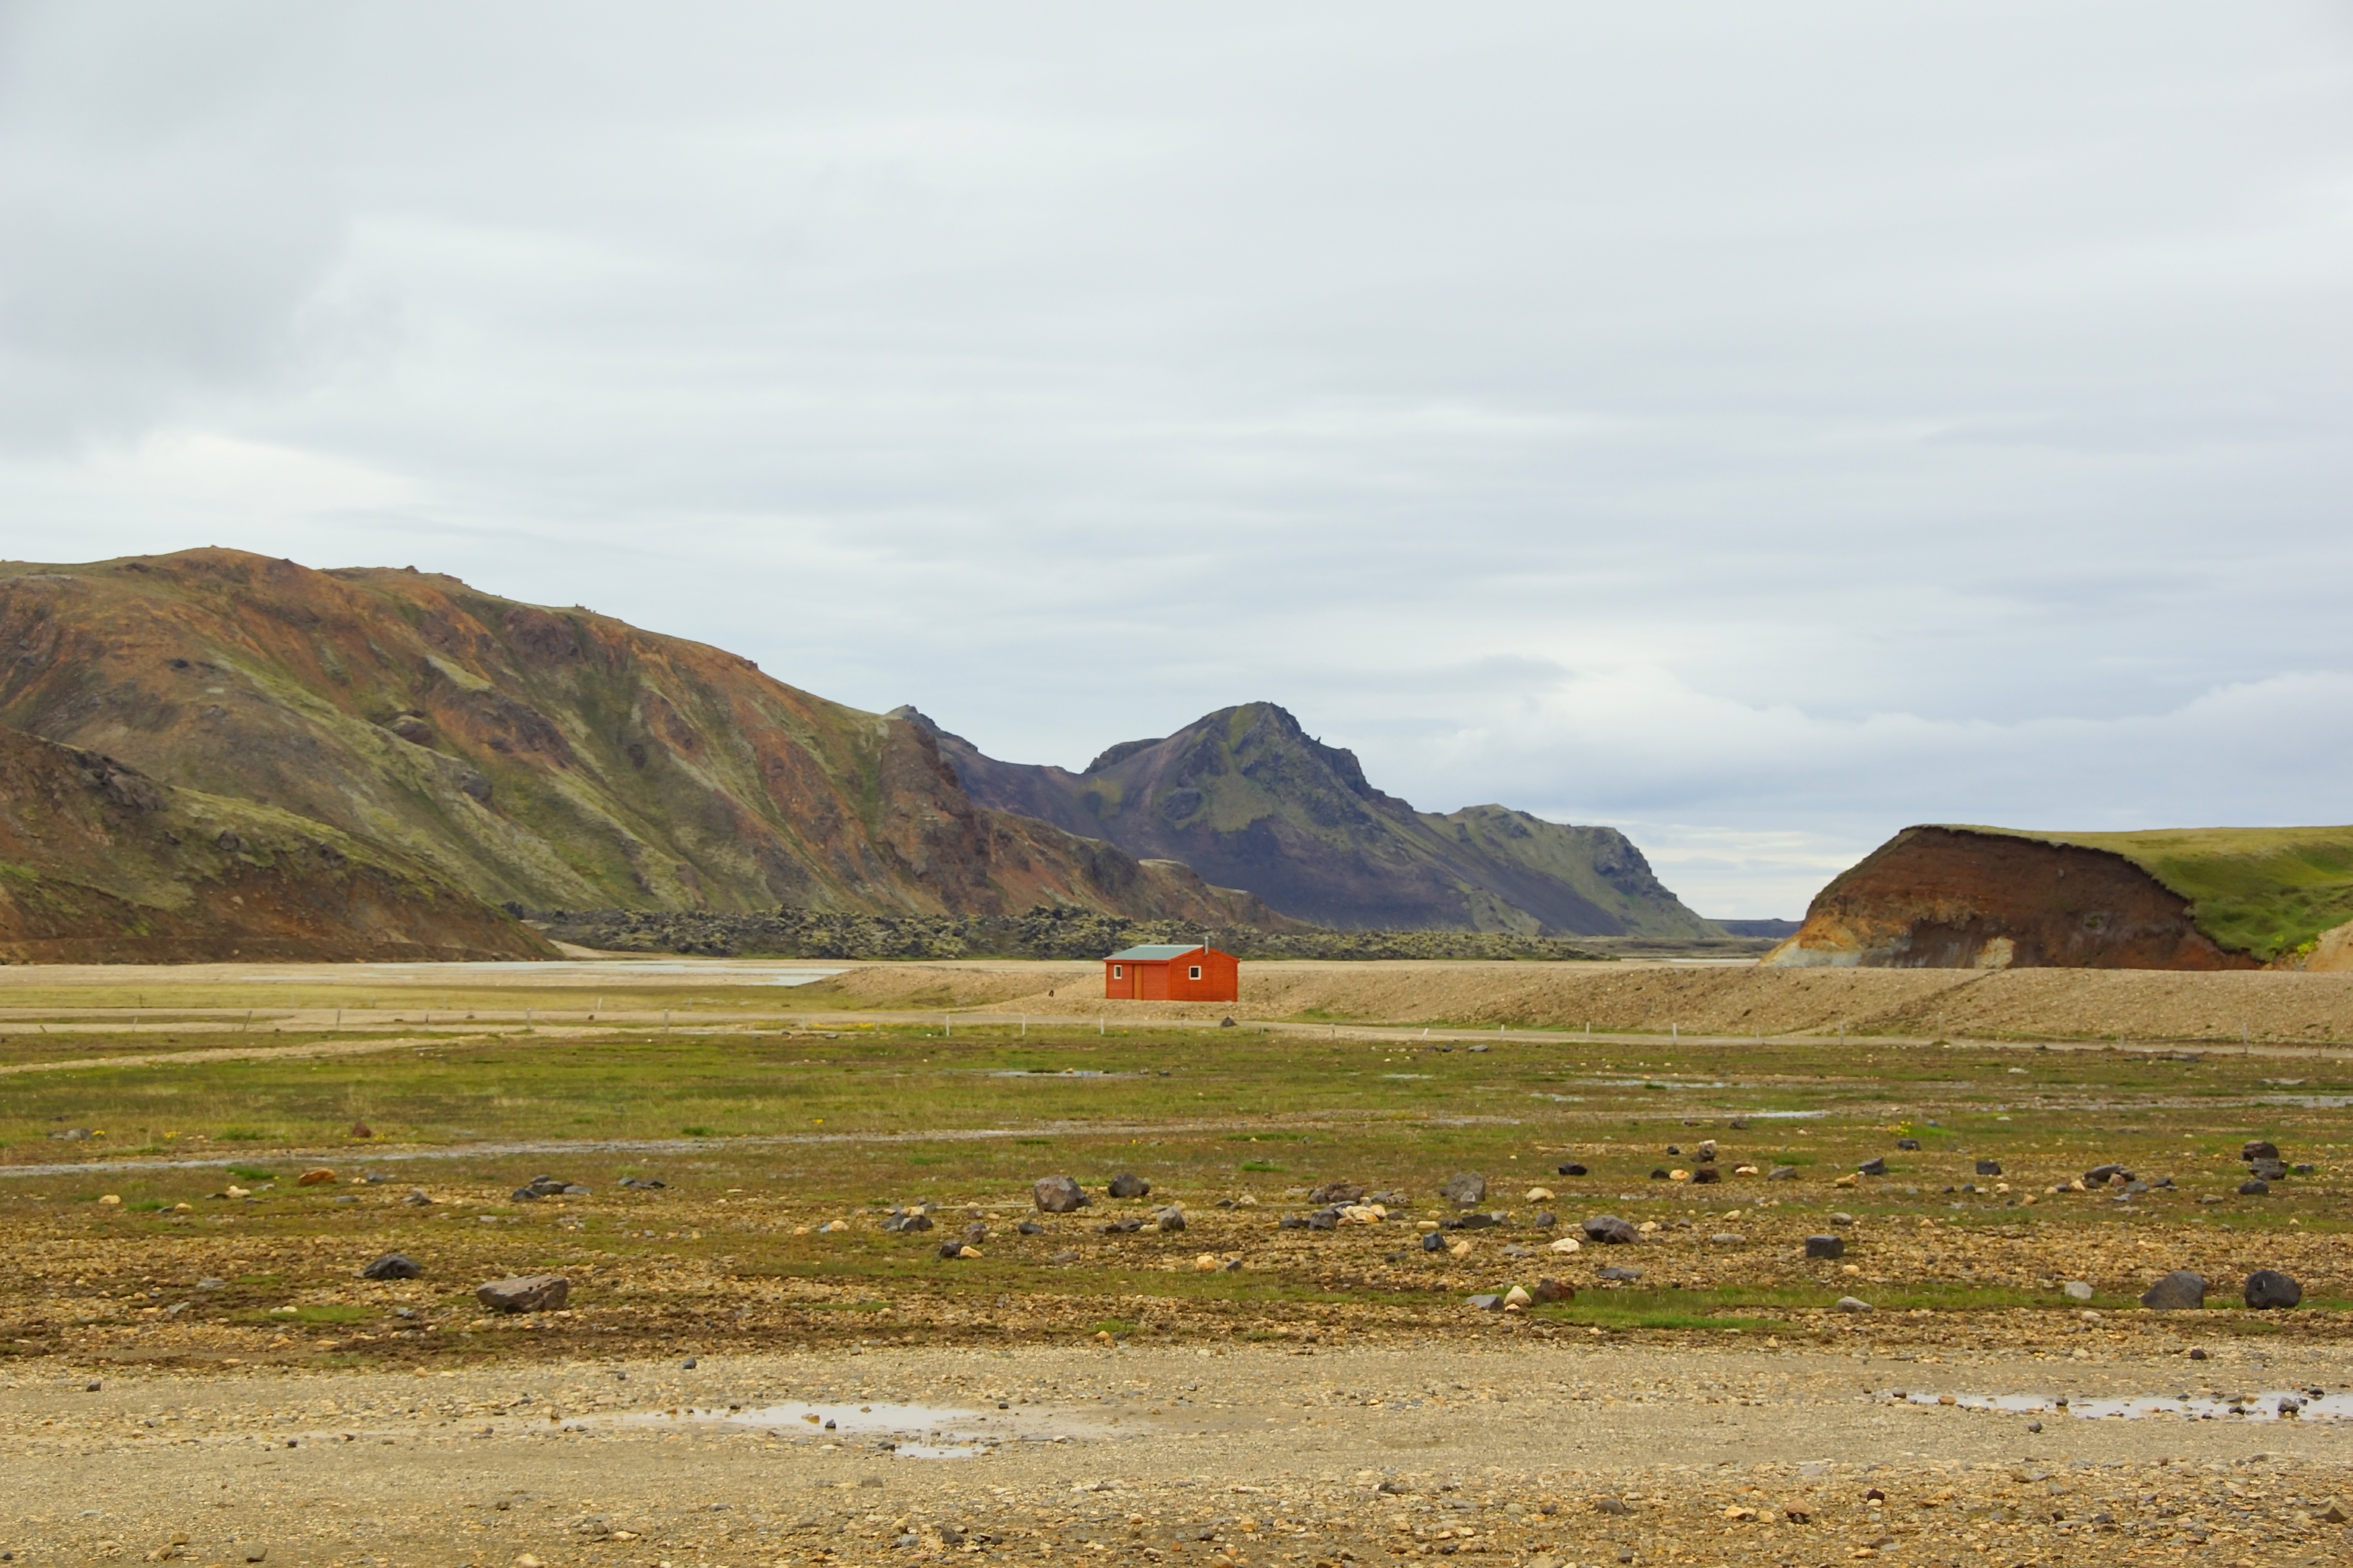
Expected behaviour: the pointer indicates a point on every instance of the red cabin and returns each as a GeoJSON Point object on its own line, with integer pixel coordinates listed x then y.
{"type": "Point", "coordinates": [1172, 972]}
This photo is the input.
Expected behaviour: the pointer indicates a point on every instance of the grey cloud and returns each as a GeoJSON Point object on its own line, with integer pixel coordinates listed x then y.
{"type": "Point", "coordinates": [1756, 425]}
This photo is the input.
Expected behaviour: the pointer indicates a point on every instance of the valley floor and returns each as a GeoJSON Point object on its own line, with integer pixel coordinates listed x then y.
{"type": "Point", "coordinates": [197, 1165]}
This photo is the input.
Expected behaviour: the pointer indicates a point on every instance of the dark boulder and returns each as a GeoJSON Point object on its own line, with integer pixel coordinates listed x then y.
{"type": "Point", "coordinates": [1826, 1246]}
{"type": "Point", "coordinates": [2267, 1289]}
{"type": "Point", "coordinates": [524, 1293]}
{"type": "Point", "coordinates": [394, 1266]}
{"type": "Point", "coordinates": [1056, 1195]}
{"type": "Point", "coordinates": [1128, 1184]}
{"type": "Point", "coordinates": [1464, 1189]}
{"type": "Point", "coordinates": [1609, 1231]}
{"type": "Point", "coordinates": [2178, 1292]}
{"type": "Point", "coordinates": [2258, 1149]}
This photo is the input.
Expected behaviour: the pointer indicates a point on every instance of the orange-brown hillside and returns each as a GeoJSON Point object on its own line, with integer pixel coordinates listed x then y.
{"type": "Point", "coordinates": [551, 757]}
{"type": "Point", "coordinates": [99, 863]}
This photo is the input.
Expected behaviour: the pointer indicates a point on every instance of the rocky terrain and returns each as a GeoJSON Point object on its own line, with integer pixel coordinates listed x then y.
{"type": "Point", "coordinates": [1249, 800]}
{"type": "Point", "coordinates": [100, 862]}
{"type": "Point", "coordinates": [1046, 931]}
{"type": "Point", "coordinates": [1977, 897]}
{"type": "Point", "coordinates": [544, 757]}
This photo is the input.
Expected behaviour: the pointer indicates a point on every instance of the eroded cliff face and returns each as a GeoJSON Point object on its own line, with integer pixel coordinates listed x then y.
{"type": "Point", "coordinates": [556, 758]}
{"type": "Point", "coordinates": [101, 864]}
{"type": "Point", "coordinates": [1945, 897]}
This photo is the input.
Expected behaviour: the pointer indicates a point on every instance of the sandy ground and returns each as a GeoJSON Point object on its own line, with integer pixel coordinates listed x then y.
{"type": "Point", "coordinates": [1693, 999]}
{"type": "Point", "coordinates": [1567, 1453]}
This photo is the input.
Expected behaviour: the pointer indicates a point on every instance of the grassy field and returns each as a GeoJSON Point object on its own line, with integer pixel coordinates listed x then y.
{"type": "Point", "coordinates": [766, 1125]}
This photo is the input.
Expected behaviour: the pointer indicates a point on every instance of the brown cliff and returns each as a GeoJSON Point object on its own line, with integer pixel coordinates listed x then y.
{"type": "Point", "coordinates": [1957, 898]}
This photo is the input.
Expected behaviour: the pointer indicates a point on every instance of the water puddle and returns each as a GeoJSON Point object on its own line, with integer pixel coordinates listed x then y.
{"type": "Point", "coordinates": [1057, 1072]}
{"type": "Point", "coordinates": [2291, 1404]}
{"type": "Point", "coordinates": [907, 1431]}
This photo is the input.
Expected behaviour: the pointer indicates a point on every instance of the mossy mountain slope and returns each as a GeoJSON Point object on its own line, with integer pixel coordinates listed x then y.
{"type": "Point", "coordinates": [99, 863]}
{"type": "Point", "coordinates": [554, 758]}
{"type": "Point", "coordinates": [1249, 800]}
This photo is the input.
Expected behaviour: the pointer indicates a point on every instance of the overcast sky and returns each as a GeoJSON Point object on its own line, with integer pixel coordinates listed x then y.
{"type": "Point", "coordinates": [1756, 426]}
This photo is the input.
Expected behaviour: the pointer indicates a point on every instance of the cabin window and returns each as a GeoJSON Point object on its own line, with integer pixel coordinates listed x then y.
{"type": "Point", "coordinates": [1194, 972]}
{"type": "Point", "coordinates": [1117, 972]}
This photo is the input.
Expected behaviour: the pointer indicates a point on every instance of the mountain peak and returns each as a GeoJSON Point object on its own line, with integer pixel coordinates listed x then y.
{"type": "Point", "coordinates": [1249, 799]}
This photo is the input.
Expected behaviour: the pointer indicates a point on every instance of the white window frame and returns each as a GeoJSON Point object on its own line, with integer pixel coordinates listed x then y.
{"type": "Point", "coordinates": [1118, 971]}
{"type": "Point", "coordinates": [1194, 973]}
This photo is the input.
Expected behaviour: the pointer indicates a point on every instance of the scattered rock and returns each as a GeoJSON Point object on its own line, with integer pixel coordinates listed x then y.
{"type": "Point", "coordinates": [1464, 1189]}
{"type": "Point", "coordinates": [1336, 1192]}
{"type": "Point", "coordinates": [1826, 1246]}
{"type": "Point", "coordinates": [1128, 1225]}
{"type": "Point", "coordinates": [1989, 1167]}
{"type": "Point", "coordinates": [1910, 1145]}
{"type": "Point", "coordinates": [1617, 1507]}
{"type": "Point", "coordinates": [901, 1221]}
{"type": "Point", "coordinates": [2254, 1188]}
{"type": "Point", "coordinates": [952, 1250]}
{"type": "Point", "coordinates": [1874, 1167]}
{"type": "Point", "coordinates": [1705, 1173]}
{"type": "Point", "coordinates": [1030, 1227]}
{"type": "Point", "coordinates": [361, 1130]}
{"type": "Point", "coordinates": [2180, 1290]}
{"type": "Point", "coordinates": [1851, 1304]}
{"type": "Point", "coordinates": [2268, 1169]}
{"type": "Point", "coordinates": [1128, 1184]}
{"type": "Point", "coordinates": [1056, 1195]}
{"type": "Point", "coordinates": [1549, 1291]}
{"type": "Point", "coordinates": [643, 1184]}
{"type": "Point", "coordinates": [1066, 1255]}
{"type": "Point", "coordinates": [2333, 1512]}
{"type": "Point", "coordinates": [2258, 1149]}
{"type": "Point", "coordinates": [318, 1177]}
{"type": "Point", "coordinates": [1571, 1169]}
{"type": "Point", "coordinates": [394, 1266]}
{"type": "Point", "coordinates": [2076, 1290]}
{"type": "Point", "coordinates": [2268, 1288]}
{"type": "Point", "coordinates": [2101, 1176]}
{"type": "Point", "coordinates": [1486, 1304]}
{"type": "Point", "coordinates": [1622, 1276]}
{"type": "Point", "coordinates": [1782, 1174]}
{"type": "Point", "coordinates": [1433, 1242]}
{"type": "Point", "coordinates": [1517, 1296]}
{"type": "Point", "coordinates": [1726, 1239]}
{"type": "Point", "coordinates": [1170, 1219]}
{"type": "Point", "coordinates": [1609, 1229]}
{"type": "Point", "coordinates": [524, 1293]}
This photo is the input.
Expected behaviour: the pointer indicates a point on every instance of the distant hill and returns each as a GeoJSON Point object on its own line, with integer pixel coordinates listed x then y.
{"type": "Point", "coordinates": [554, 758]}
{"type": "Point", "coordinates": [1249, 800]}
{"type": "Point", "coordinates": [1774, 929]}
{"type": "Point", "coordinates": [1955, 896]}
{"type": "Point", "coordinates": [101, 864]}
